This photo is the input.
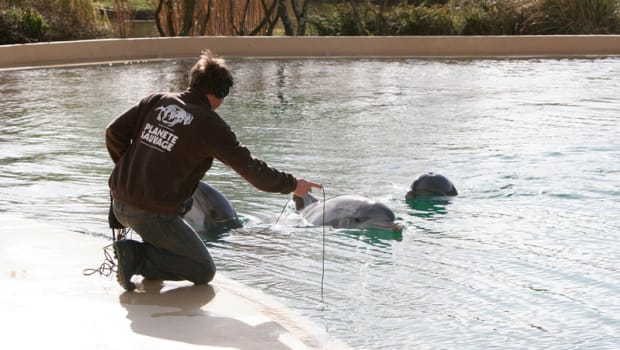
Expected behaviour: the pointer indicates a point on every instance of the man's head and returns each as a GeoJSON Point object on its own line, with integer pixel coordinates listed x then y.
{"type": "Point", "coordinates": [210, 76]}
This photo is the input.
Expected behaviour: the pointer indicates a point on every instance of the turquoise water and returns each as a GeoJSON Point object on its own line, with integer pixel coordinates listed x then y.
{"type": "Point", "coordinates": [525, 257]}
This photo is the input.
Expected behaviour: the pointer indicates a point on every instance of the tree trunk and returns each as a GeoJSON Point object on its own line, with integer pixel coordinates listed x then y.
{"type": "Point", "coordinates": [302, 16]}
{"type": "Point", "coordinates": [160, 30]}
{"type": "Point", "coordinates": [188, 17]}
{"type": "Point", "coordinates": [206, 19]}
{"type": "Point", "coordinates": [359, 25]}
{"type": "Point", "coordinates": [169, 20]}
{"type": "Point", "coordinates": [242, 20]}
{"type": "Point", "coordinates": [381, 30]}
{"type": "Point", "coordinates": [286, 21]}
{"type": "Point", "coordinates": [266, 19]}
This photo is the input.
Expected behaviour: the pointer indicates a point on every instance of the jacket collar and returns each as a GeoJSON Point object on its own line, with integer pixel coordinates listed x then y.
{"type": "Point", "coordinates": [196, 97]}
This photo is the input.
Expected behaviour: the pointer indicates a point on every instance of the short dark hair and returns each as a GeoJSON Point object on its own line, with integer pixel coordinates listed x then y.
{"type": "Point", "coordinates": [209, 73]}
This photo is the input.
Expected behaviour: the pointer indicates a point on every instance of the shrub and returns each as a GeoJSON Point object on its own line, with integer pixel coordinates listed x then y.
{"type": "Point", "coordinates": [402, 19]}
{"type": "Point", "coordinates": [420, 20]}
{"type": "Point", "coordinates": [73, 19]}
{"type": "Point", "coordinates": [21, 26]}
{"type": "Point", "coordinates": [488, 17]}
{"type": "Point", "coordinates": [575, 17]}
{"type": "Point", "coordinates": [333, 20]}
{"type": "Point", "coordinates": [64, 19]}
{"type": "Point", "coordinates": [470, 17]}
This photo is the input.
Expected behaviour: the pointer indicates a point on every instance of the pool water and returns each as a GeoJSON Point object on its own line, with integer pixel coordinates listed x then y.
{"type": "Point", "coordinates": [525, 257]}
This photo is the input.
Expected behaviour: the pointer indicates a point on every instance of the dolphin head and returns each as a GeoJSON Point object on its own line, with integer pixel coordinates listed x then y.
{"type": "Point", "coordinates": [353, 212]}
{"type": "Point", "coordinates": [431, 184]}
{"type": "Point", "coordinates": [211, 212]}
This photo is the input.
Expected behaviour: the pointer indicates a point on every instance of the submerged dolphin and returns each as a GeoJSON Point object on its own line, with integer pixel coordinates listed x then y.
{"type": "Point", "coordinates": [348, 211]}
{"type": "Point", "coordinates": [211, 212]}
{"type": "Point", "coordinates": [431, 184]}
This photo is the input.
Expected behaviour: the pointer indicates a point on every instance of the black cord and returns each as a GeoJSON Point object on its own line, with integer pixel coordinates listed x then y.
{"type": "Point", "coordinates": [323, 250]}
{"type": "Point", "coordinates": [107, 267]}
{"type": "Point", "coordinates": [323, 265]}
{"type": "Point", "coordinates": [278, 219]}
{"type": "Point", "coordinates": [282, 212]}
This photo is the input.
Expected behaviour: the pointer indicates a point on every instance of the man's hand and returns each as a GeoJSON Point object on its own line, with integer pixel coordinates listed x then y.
{"type": "Point", "coordinates": [303, 187]}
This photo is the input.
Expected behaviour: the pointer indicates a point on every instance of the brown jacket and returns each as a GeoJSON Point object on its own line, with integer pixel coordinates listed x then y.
{"type": "Point", "coordinates": [164, 145]}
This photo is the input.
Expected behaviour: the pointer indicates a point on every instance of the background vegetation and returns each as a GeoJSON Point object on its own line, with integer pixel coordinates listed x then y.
{"type": "Point", "coordinates": [23, 21]}
{"type": "Point", "coordinates": [48, 20]}
{"type": "Point", "coordinates": [468, 17]}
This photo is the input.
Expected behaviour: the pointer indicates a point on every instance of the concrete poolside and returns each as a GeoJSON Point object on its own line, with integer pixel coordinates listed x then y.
{"type": "Point", "coordinates": [47, 302]}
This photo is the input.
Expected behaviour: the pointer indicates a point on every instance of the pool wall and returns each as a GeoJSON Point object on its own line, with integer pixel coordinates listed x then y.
{"type": "Point", "coordinates": [114, 50]}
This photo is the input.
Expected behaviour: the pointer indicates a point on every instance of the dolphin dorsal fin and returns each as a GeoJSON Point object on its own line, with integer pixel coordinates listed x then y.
{"type": "Point", "coordinates": [302, 202]}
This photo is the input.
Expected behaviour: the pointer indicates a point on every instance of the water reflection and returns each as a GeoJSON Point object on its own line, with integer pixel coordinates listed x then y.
{"type": "Point", "coordinates": [429, 207]}
{"type": "Point", "coordinates": [374, 237]}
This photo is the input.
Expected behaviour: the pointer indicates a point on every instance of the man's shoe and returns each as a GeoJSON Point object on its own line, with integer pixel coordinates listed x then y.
{"type": "Point", "coordinates": [126, 262]}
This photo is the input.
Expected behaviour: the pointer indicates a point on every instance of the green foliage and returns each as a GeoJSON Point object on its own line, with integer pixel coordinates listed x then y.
{"type": "Point", "coordinates": [490, 17]}
{"type": "Point", "coordinates": [469, 17]}
{"type": "Point", "coordinates": [402, 19]}
{"type": "Point", "coordinates": [18, 26]}
{"type": "Point", "coordinates": [576, 17]}
{"type": "Point", "coordinates": [138, 5]}
{"type": "Point", "coordinates": [420, 20]}
{"type": "Point", "coordinates": [73, 19]}
{"type": "Point", "coordinates": [140, 9]}
{"type": "Point", "coordinates": [61, 19]}
{"type": "Point", "coordinates": [337, 20]}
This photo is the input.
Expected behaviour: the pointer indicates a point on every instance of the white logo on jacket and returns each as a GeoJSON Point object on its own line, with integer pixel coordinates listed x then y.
{"type": "Point", "coordinates": [172, 115]}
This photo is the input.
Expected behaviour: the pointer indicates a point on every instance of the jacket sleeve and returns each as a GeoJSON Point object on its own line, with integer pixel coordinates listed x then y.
{"type": "Point", "coordinates": [119, 133]}
{"type": "Point", "coordinates": [122, 131]}
{"type": "Point", "coordinates": [227, 149]}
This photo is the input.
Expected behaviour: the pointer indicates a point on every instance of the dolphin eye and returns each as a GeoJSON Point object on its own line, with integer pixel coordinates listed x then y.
{"type": "Point", "coordinates": [358, 220]}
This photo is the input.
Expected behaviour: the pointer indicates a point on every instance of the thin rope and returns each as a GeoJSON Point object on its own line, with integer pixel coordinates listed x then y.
{"type": "Point", "coordinates": [107, 267]}
{"type": "Point", "coordinates": [323, 265]}
{"type": "Point", "coordinates": [282, 212]}
{"type": "Point", "coordinates": [323, 249]}
{"type": "Point", "coordinates": [278, 219]}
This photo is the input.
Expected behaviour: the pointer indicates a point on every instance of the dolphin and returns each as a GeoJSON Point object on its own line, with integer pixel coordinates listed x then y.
{"type": "Point", "coordinates": [348, 211]}
{"type": "Point", "coordinates": [431, 184]}
{"type": "Point", "coordinates": [211, 212]}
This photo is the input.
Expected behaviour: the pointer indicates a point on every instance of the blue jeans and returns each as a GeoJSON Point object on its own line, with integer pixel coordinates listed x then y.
{"type": "Point", "coordinates": [171, 249]}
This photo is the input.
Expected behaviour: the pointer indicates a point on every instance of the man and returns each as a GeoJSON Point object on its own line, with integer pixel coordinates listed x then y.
{"type": "Point", "coordinates": [161, 148]}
